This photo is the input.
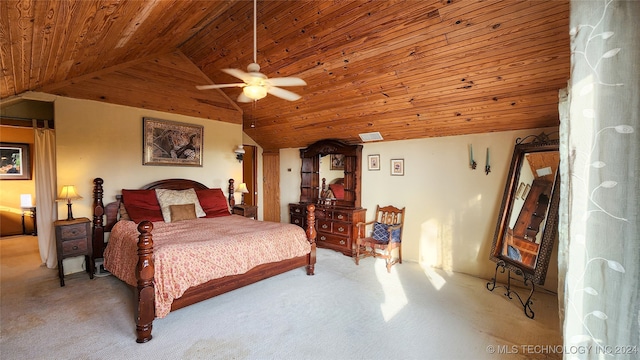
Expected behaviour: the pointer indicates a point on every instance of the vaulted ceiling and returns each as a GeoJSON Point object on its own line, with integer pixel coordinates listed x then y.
{"type": "Point", "coordinates": [407, 69]}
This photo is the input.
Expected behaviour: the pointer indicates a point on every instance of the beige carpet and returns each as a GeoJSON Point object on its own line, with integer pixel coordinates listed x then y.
{"type": "Point", "coordinates": [343, 312]}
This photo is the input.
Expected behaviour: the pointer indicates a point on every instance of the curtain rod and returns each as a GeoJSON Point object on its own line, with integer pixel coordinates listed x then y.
{"type": "Point", "coordinates": [21, 118]}
{"type": "Point", "coordinates": [33, 123]}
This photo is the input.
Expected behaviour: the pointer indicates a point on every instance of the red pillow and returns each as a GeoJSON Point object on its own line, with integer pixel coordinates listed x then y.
{"type": "Point", "coordinates": [213, 202]}
{"type": "Point", "coordinates": [142, 205]}
{"type": "Point", "coordinates": [338, 190]}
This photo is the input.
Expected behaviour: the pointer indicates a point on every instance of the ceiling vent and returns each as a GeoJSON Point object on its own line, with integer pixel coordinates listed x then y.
{"type": "Point", "coordinates": [372, 136]}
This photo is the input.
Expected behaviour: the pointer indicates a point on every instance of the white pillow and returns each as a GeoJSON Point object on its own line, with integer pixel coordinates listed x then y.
{"type": "Point", "coordinates": [167, 198]}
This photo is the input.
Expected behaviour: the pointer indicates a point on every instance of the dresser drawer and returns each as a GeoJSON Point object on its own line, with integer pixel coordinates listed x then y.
{"type": "Point", "coordinates": [341, 228]}
{"type": "Point", "coordinates": [296, 209]}
{"type": "Point", "coordinates": [297, 220]}
{"type": "Point", "coordinates": [341, 216]}
{"type": "Point", "coordinates": [71, 247]}
{"type": "Point", "coordinates": [74, 231]}
{"type": "Point", "coordinates": [324, 225]}
{"type": "Point", "coordinates": [327, 239]}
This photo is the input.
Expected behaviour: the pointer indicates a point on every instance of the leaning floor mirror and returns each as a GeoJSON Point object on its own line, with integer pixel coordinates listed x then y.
{"type": "Point", "coordinates": [527, 223]}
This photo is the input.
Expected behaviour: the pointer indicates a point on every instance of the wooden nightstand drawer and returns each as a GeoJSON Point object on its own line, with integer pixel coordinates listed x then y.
{"type": "Point", "coordinates": [324, 239]}
{"type": "Point", "coordinates": [74, 231]}
{"type": "Point", "coordinates": [341, 228]}
{"type": "Point", "coordinates": [72, 247]}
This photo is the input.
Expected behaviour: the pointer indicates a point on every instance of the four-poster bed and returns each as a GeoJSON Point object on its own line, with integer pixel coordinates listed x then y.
{"type": "Point", "coordinates": [278, 249]}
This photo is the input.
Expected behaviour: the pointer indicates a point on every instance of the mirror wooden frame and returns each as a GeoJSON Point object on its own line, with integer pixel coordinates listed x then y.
{"type": "Point", "coordinates": [310, 172]}
{"type": "Point", "coordinates": [537, 273]}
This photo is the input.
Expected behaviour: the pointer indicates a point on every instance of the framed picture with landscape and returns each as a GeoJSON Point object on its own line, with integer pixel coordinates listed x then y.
{"type": "Point", "coordinates": [171, 143]}
{"type": "Point", "coordinates": [15, 161]}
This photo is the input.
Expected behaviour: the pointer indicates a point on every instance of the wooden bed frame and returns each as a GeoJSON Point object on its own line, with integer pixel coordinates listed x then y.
{"type": "Point", "coordinates": [145, 292]}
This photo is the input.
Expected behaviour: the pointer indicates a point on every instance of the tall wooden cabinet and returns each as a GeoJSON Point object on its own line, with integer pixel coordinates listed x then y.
{"type": "Point", "coordinates": [335, 220]}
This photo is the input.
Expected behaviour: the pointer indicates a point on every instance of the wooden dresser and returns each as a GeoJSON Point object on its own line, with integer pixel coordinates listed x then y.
{"type": "Point", "coordinates": [336, 226]}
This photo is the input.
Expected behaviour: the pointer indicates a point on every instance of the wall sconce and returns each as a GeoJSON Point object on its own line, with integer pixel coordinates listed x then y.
{"type": "Point", "coordinates": [472, 163]}
{"type": "Point", "coordinates": [68, 193]}
{"type": "Point", "coordinates": [239, 153]}
{"type": "Point", "coordinates": [487, 166]}
{"type": "Point", "coordinates": [242, 189]}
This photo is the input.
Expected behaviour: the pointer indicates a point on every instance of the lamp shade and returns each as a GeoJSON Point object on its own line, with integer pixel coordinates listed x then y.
{"type": "Point", "coordinates": [68, 192]}
{"type": "Point", "coordinates": [26, 201]}
{"type": "Point", "coordinates": [242, 188]}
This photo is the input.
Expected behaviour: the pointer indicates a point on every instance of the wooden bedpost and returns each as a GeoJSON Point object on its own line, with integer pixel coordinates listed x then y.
{"type": "Point", "coordinates": [232, 199]}
{"type": "Point", "coordinates": [98, 217]}
{"type": "Point", "coordinates": [311, 236]}
{"type": "Point", "coordinates": [145, 294]}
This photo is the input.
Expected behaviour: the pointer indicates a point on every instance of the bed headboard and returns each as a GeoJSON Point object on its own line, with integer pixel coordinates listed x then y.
{"type": "Point", "coordinates": [110, 211]}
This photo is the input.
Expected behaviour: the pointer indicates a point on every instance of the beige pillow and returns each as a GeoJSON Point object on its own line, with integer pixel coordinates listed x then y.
{"type": "Point", "coordinates": [182, 212]}
{"type": "Point", "coordinates": [167, 198]}
{"type": "Point", "coordinates": [124, 215]}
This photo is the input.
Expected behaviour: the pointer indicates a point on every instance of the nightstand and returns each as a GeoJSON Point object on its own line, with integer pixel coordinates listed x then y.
{"type": "Point", "coordinates": [73, 238]}
{"type": "Point", "coordinates": [249, 211]}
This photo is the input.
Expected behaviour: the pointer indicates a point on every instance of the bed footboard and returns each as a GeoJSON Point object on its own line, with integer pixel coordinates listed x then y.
{"type": "Point", "coordinates": [145, 291]}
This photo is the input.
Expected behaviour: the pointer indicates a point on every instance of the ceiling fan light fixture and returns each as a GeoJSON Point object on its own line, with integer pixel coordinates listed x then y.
{"type": "Point", "coordinates": [255, 92]}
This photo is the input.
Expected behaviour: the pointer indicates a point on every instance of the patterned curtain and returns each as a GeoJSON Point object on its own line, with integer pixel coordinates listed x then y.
{"type": "Point", "coordinates": [599, 249]}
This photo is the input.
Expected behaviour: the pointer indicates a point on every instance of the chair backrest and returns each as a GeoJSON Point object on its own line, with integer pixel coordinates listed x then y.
{"type": "Point", "coordinates": [389, 215]}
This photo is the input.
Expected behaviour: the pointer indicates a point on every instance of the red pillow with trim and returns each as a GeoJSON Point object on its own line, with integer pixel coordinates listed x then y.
{"type": "Point", "coordinates": [213, 202]}
{"type": "Point", "coordinates": [142, 205]}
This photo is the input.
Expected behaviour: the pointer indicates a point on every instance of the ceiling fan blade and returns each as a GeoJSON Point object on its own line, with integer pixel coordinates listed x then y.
{"type": "Point", "coordinates": [283, 94]}
{"type": "Point", "coordinates": [219, 86]}
{"type": "Point", "coordinates": [287, 81]}
{"type": "Point", "coordinates": [244, 98]}
{"type": "Point", "coordinates": [246, 77]}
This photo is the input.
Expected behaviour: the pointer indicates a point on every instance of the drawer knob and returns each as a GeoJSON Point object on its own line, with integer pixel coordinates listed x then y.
{"type": "Point", "coordinates": [296, 221]}
{"type": "Point", "coordinates": [75, 247]}
{"type": "Point", "coordinates": [340, 217]}
{"type": "Point", "coordinates": [324, 226]}
{"type": "Point", "coordinates": [341, 229]}
{"type": "Point", "coordinates": [342, 242]}
{"type": "Point", "coordinates": [323, 238]}
{"type": "Point", "coordinates": [297, 210]}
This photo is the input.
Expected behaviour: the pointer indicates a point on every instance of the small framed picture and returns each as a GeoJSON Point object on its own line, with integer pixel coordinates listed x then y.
{"type": "Point", "coordinates": [374, 162]}
{"type": "Point", "coordinates": [397, 167]}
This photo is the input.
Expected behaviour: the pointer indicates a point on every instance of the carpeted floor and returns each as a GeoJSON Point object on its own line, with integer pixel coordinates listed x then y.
{"type": "Point", "coordinates": [343, 312]}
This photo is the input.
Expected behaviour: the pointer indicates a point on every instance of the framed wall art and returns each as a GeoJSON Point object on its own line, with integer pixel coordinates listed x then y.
{"type": "Point", "coordinates": [171, 143]}
{"type": "Point", "coordinates": [373, 162]}
{"type": "Point", "coordinates": [15, 161]}
{"type": "Point", "coordinates": [337, 161]}
{"type": "Point", "coordinates": [397, 167]}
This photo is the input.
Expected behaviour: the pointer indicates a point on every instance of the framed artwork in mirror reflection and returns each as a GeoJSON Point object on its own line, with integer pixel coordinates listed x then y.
{"type": "Point", "coordinates": [16, 161]}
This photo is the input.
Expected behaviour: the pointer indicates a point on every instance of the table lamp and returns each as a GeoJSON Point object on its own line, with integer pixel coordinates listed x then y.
{"type": "Point", "coordinates": [242, 188]}
{"type": "Point", "coordinates": [68, 193]}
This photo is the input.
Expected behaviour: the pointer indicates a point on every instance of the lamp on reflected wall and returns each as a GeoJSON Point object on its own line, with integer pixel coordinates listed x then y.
{"type": "Point", "coordinates": [68, 193]}
{"type": "Point", "coordinates": [26, 202]}
{"type": "Point", "coordinates": [242, 188]}
{"type": "Point", "coordinates": [239, 153]}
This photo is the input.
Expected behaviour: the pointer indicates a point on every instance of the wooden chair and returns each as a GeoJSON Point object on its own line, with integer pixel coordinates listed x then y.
{"type": "Point", "coordinates": [385, 235]}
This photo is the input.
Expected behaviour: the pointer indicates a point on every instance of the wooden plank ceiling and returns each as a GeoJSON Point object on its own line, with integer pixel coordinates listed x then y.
{"type": "Point", "coordinates": [408, 69]}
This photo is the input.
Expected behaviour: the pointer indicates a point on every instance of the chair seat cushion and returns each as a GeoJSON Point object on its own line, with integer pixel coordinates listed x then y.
{"type": "Point", "coordinates": [381, 233]}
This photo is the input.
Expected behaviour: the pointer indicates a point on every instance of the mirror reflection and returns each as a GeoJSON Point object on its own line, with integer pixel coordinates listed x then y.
{"type": "Point", "coordinates": [530, 207]}
{"type": "Point", "coordinates": [331, 177]}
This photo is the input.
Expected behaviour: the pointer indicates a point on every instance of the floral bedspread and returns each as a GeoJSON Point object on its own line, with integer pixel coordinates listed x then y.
{"type": "Point", "coordinates": [192, 252]}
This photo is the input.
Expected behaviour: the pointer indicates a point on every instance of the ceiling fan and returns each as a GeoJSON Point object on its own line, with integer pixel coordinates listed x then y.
{"type": "Point", "coordinates": [257, 85]}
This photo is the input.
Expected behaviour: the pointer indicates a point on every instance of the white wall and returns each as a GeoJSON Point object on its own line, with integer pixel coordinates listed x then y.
{"type": "Point", "coordinates": [451, 210]}
{"type": "Point", "coordinates": [95, 139]}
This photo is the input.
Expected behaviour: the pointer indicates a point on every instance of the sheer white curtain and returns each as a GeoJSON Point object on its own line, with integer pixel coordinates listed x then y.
{"type": "Point", "coordinates": [599, 249]}
{"type": "Point", "coordinates": [45, 179]}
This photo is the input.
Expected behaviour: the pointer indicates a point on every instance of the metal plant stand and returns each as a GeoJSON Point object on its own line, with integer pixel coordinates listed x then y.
{"type": "Point", "coordinates": [491, 285]}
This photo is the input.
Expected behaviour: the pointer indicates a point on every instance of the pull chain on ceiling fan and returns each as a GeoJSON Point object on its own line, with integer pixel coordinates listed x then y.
{"type": "Point", "coordinates": [256, 85]}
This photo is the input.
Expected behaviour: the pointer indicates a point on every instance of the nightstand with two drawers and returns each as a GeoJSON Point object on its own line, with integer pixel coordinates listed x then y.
{"type": "Point", "coordinates": [73, 238]}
